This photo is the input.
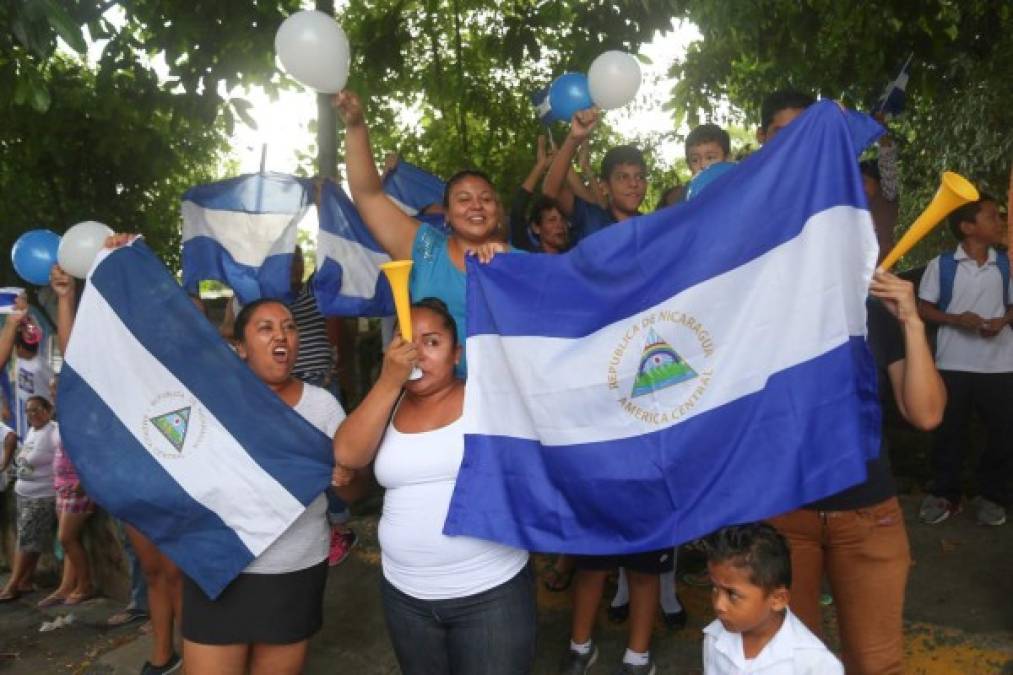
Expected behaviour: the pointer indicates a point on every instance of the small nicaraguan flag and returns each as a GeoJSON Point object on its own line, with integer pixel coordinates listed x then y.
{"type": "Point", "coordinates": [242, 232]}
{"type": "Point", "coordinates": [8, 296]}
{"type": "Point", "coordinates": [171, 432]}
{"type": "Point", "coordinates": [700, 366]}
{"type": "Point", "coordinates": [891, 103]}
{"type": "Point", "coordinates": [543, 107]}
{"type": "Point", "coordinates": [347, 281]}
{"type": "Point", "coordinates": [412, 188]}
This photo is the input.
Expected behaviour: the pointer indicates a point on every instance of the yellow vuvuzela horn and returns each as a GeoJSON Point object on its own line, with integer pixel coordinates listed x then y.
{"type": "Point", "coordinates": [954, 191]}
{"type": "Point", "coordinates": [397, 272]}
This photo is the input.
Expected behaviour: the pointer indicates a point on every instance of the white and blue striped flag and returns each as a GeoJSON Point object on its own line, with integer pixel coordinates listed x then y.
{"type": "Point", "coordinates": [413, 189]}
{"type": "Point", "coordinates": [8, 296]}
{"type": "Point", "coordinates": [688, 369]}
{"type": "Point", "coordinates": [171, 432]}
{"type": "Point", "coordinates": [242, 232]}
{"type": "Point", "coordinates": [347, 281]}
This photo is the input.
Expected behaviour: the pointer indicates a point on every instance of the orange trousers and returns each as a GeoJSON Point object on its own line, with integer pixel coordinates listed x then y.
{"type": "Point", "coordinates": [865, 556]}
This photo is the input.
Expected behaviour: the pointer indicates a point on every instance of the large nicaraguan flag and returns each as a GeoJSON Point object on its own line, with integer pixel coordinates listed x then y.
{"type": "Point", "coordinates": [700, 366]}
{"type": "Point", "coordinates": [171, 432]}
{"type": "Point", "coordinates": [242, 232]}
{"type": "Point", "coordinates": [348, 281]}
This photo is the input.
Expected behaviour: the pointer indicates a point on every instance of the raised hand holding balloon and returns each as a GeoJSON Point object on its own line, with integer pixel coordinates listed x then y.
{"type": "Point", "coordinates": [314, 50]}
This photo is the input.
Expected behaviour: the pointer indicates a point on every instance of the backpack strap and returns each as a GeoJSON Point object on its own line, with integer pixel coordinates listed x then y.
{"type": "Point", "coordinates": [947, 273]}
{"type": "Point", "coordinates": [1002, 262]}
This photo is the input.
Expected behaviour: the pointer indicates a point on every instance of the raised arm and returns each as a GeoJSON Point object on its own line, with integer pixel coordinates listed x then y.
{"type": "Point", "coordinates": [579, 189]}
{"type": "Point", "coordinates": [63, 286]}
{"type": "Point", "coordinates": [555, 181]}
{"type": "Point", "coordinates": [390, 226]}
{"type": "Point", "coordinates": [917, 387]}
{"type": "Point", "coordinates": [10, 329]}
{"type": "Point", "coordinates": [359, 436]}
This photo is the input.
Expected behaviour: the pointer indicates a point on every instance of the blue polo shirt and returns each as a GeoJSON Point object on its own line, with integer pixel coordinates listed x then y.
{"type": "Point", "coordinates": [587, 218]}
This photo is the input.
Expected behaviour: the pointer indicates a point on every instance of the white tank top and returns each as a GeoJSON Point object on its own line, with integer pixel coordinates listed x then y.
{"type": "Point", "coordinates": [419, 472]}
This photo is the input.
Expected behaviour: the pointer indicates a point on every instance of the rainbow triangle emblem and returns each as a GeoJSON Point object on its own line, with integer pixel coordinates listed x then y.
{"type": "Point", "coordinates": [173, 426]}
{"type": "Point", "coordinates": [660, 367]}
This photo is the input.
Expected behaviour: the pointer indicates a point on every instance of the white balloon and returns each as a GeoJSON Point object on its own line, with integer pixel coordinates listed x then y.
{"type": "Point", "coordinates": [314, 50]}
{"type": "Point", "coordinates": [613, 79]}
{"type": "Point", "coordinates": [79, 246]}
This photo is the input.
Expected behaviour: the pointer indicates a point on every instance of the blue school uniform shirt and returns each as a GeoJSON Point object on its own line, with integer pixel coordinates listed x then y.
{"type": "Point", "coordinates": [587, 218]}
{"type": "Point", "coordinates": [434, 276]}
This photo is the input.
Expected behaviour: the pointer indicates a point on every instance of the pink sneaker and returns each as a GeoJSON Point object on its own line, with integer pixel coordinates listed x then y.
{"type": "Point", "coordinates": [341, 546]}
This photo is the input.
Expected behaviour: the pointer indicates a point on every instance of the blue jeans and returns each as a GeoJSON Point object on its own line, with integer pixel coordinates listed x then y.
{"type": "Point", "coordinates": [489, 633]}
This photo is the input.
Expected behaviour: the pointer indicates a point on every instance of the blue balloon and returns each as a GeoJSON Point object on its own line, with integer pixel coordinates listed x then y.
{"type": "Point", "coordinates": [33, 255]}
{"type": "Point", "coordinates": [568, 94]}
{"type": "Point", "coordinates": [706, 177]}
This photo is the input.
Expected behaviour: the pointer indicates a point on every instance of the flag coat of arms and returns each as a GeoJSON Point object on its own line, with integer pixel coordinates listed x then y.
{"type": "Point", "coordinates": [242, 232]}
{"type": "Point", "coordinates": [171, 432]}
{"type": "Point", "coordinates": [697, 367]}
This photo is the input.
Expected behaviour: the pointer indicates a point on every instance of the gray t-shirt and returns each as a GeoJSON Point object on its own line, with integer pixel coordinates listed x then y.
{"type": "Point", "coordinates": [305, 543]}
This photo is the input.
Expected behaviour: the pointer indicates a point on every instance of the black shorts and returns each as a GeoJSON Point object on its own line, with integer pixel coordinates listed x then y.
{"type": "Point", "coordinates": [257, 608]}
{"type": "Point", "coordinates": [649, 562]}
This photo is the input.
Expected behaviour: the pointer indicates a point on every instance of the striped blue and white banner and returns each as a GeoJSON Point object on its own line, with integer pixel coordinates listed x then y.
{"type": "Point", "coordinates": [8, 296]}
{"type": "Point", "coordinates": [171, 432]}
{"type": "Point", "coordinates": [242, 232]}
{"type": "Point", "coordinates": [413, 188]}
{"type": "Point", "coordinates": [348, 281]}
{"type": "Point", "coordinates": [697, 367]}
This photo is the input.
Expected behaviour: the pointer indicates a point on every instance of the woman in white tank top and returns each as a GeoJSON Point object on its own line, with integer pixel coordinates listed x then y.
{"type": "Point", "coordinates": [452, 604]}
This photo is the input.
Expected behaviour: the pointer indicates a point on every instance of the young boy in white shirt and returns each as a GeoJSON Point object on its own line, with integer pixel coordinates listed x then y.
{"type": "Point", "coordinates": [966, 292]}
{"type": "Point", "coordinates": [755, 632]}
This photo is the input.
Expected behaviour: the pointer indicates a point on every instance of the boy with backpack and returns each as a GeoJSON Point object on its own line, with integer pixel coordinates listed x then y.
{"type": "Point", "coordinates": [967, 293]}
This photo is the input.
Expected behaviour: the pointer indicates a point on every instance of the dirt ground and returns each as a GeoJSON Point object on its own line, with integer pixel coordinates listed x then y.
{"type": "Point", "coordinates": [959, 617]}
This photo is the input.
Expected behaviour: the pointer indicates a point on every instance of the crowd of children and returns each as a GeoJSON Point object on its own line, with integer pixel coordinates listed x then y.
{"type": "Point", "coordinates": [766, 578]}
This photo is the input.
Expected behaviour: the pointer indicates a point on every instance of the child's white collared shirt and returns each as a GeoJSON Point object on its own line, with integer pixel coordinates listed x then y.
{"type": "Point", "coordinates": [793, 650]}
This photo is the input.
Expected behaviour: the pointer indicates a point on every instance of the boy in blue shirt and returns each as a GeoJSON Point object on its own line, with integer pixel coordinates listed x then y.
{"type": "Point", "coordinates": [707, 144]}
{"type": "Point", "coordinates": [623, 175]}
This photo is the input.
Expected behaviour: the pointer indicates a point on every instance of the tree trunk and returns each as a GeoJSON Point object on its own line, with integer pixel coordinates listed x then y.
{"type": "Point", "coordinates": [327, 129]}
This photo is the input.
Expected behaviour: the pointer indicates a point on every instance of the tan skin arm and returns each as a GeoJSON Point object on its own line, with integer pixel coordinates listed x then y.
{"type": "Point", "coordinates": [10, 329]}
{"type": "Point", "coordinates": [390, 226]}
{"type": "Point", "coordinates": [63, 286]}
{"type": "Point", "coordinates": [9, 446]}
{"type": "Point", "coordinates": [543, 158]}
{"type": "Point", "coordinates": [917, 386]}
{"type": "Point", "coordinates": [966, 320]}
{"type": "Point", "coordinates": [359, 436]}
{"type": "Point", "coordinates": [555, 180]}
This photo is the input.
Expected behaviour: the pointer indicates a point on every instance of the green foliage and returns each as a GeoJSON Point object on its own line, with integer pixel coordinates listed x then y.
{"type": "Point", "coordinates": [468, 68]}
{"type": "Point", "coordinates": [960, 106]}
{"type": "Point", "coordinates": [108, 149]}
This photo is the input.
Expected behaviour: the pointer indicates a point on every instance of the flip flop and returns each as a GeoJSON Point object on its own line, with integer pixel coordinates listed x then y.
{"type": "Point", "coordinates": [78, 598]}
{"type": "Point", "coordinates": [125, 617]}
{"type": "Point", "coordinates": [10, 597]}
{"type": "Point", "coordinates": [51, 601]}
